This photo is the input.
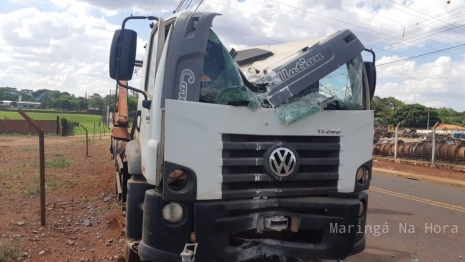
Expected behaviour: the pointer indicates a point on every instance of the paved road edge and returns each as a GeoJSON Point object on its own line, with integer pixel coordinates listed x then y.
{"type": "Point", "coordinates": [438, 180]}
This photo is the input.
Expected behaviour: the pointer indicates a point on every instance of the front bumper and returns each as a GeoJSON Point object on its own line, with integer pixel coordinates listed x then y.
{"type": "Point", "coordinates": [319, 228]}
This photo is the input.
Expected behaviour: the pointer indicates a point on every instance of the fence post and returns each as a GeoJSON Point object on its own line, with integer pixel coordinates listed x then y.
{"type": "Point", "coordinates": [395, 141]}
{"type": "Point", "coordinates": [58, 125]}
{"type": "Point", "coordinates": [93, 135]}
{"type": "Point", "coordinates": [434, 143]}
{"type": "Point", "coordinates": [87, 141]}
{"type": "Point", "coordinates": [42, 164]}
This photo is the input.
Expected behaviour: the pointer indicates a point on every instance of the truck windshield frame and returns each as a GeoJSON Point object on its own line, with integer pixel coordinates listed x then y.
{"type": "Point", "coordinates": [345, 87]}
{"type": "Point", "coordinates": [342, 89]}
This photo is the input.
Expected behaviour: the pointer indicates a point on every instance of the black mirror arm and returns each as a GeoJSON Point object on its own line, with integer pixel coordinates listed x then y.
{"type": "Point", "coordinates": [373, 53]}
{"type": "Point", "coordinates": [138, 17]}
{"type": "Point", "coordinates": [120, 41]}
{"type": "Point", "coordinates": [133, 89]}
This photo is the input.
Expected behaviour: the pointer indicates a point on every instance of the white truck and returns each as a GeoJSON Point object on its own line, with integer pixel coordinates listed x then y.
{"type": "Point", "coordinates": [262, 152]}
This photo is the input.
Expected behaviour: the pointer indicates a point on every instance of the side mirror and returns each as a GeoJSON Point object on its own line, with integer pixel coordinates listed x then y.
{"type": "Point", "coordinates": [371, 76]}
{"type": "Point", "coordinates": [123, 54]}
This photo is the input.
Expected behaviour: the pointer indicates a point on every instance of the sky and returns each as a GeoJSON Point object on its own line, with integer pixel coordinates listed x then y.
{"type": "Point", "coordinates": [64, 44]}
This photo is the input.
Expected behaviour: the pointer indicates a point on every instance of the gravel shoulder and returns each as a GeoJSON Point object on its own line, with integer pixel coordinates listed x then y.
{"type": "Point", "coordinates": [423, 173]}
{"type": "Point", "coordinates": [83, 219]}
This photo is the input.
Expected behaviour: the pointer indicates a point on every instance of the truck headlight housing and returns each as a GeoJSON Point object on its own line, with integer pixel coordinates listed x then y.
{"type": "Point", "coordinates": [363, 175]}
{"type": "Point", "coordinates": [362, 208]}
{"type": "Point", "coordinates": [172, 212]}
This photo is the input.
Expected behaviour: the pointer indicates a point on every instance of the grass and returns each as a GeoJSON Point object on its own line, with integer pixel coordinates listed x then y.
{"type": "Point", "coordinates": [50, 182]}
{"type": "Point", "coordinates": [27, 149]}
{"type": "Point", "coordinates": [86, 120]}
{"type": "Point", "coordinates": [8, 253]}
{"type": "Point", "coordinates": [23, 135]}
{"type": "Point", "coordinates": [33, 190]}
{"type": "Point", "coordinates": [15, 174]}
{"type": "Point", "coordinates": [59, 162]}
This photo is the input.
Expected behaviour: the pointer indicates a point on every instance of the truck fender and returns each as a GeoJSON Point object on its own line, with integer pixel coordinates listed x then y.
{"type": "Point", "coordinates": [133, 157]}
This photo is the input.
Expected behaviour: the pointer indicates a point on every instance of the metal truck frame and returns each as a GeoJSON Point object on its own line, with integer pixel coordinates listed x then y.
{"type": "Point", "coordinates": [240, 183]}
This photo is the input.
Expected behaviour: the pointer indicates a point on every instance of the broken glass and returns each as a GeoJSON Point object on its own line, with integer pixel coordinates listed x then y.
{"type": "Point", "coordinates": [222, 83]}
{"type": "Point", "coordinates": [221, 80]}
{"type": "Point", "coordinates": [307, 102]}
{"type": "Point", "coordinates": [340, 90]}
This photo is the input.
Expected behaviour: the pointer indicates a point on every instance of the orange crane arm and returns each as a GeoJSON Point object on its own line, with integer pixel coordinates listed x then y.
{"type": "Point", "coordinates": [120, 116]}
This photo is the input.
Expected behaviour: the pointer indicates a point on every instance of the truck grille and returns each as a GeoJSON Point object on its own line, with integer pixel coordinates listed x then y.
{"type": "Point", "coordinates": [244, 175]}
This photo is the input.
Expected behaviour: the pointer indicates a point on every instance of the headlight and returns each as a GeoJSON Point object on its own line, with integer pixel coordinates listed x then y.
{"type": "Point", "coordinates": [362, 175]}
{"type": "Point", "coordinates": [361, 210]}
{"type": "Point", "coordinates": [172, 212]}
{"type": "Point", "coordinates": [177, 180]}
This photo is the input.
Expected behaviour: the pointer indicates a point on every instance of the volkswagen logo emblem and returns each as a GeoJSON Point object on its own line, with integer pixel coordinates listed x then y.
{"type": "Point", "coordinates": [282, 162]}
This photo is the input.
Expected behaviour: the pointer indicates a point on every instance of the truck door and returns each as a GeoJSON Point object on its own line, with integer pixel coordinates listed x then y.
{"type": "Point", "coordinates": [155, 47]}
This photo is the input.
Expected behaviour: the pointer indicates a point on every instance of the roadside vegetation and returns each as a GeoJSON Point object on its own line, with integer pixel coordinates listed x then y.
{"type": "Point", "coordinates": [8, 252]}
{"type": "Point", "coordinates": [87, 120]}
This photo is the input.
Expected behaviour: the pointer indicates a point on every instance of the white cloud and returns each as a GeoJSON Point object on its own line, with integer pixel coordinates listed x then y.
{"type": "Point", "coordinates": [68, 48]}
{"type": "Point", "coordinates": [437, 83]}
{"type": "Point", "coordinates": [435, 104]}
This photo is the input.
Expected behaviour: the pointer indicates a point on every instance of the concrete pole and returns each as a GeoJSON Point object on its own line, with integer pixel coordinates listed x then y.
{"type": "Point", "coordinates": [434, 143]}
{"type": "Point", "coordinates": [395, 141]}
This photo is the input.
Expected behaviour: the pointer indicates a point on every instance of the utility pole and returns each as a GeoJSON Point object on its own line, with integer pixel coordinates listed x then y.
{"type": "Point", "coordinates": [427, 125]}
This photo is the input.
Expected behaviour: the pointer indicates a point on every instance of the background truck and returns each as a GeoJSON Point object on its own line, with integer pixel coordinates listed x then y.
{"type": "Point", "coordinates": [263, 152]}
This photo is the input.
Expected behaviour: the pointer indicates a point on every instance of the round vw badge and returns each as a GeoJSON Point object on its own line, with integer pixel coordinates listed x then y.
{"type": "Point", "coordinates": [282, 162]}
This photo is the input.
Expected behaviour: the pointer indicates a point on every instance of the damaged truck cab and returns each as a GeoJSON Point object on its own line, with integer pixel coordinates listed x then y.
{"type": "Point", "coordinates": [247, 154]}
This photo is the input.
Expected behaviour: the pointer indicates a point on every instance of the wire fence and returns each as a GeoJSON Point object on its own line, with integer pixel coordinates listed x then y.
{"type": "Point", "coordinates": [419, 144]}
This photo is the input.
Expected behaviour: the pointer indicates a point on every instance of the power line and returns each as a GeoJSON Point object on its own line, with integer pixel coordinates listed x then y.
{"type": "Point", "coordinates": [123, 2]}
{"type": "Point", "coordinates": [440, 50]}
{"type": "Point", "coordinates": [186, 6]}
{"type": "Point", "coordinates": [179, 6]}
{"type": "Point", "coordinates": [392, 37]}
{"type": "Point", "coordinates": [419, 11]}
{"type": "Point", "coordinates": [428, 35]}
{"type": "Point", "coordinates": [323, 3]}
{"type": "Point", "coordinates": [265, 17]}
{"type": "Point", "coordinates": [148, 12]}
{"type": "Point", "coordinates": [420, 55]}
{"type": "Point", "coordinates": [198, 5]}
{"type": "Point", "coordinates": [247, 34]}
{"type": "Point", "coordinates": [307, 28]}
{"type": "Point", "coordinates": [327, 17]}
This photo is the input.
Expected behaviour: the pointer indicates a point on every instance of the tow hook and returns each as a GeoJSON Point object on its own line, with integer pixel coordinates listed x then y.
{"type": "Point", "coordinates": [187, 254]}
{"type": "Point", "coordinates": [276, 223]}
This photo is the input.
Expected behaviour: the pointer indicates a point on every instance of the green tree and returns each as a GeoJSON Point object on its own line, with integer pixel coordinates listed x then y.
{"type": "Point", "coordinates": [450, 116]}
{"type": "Point", "coordinates": [385, 107]}
{"type": "Point", "coordinates": [74, 104]}
{"type": "Point", "coordinates": [55, 103]}
{"type": "Point", "coordinates": [83, 103]}
{"type": "Point", "coordinates": [414, 115]}
{"type": "Point", "coordinates": [132, 104]}
{"type": "Point", "coordinates": [97, 102]}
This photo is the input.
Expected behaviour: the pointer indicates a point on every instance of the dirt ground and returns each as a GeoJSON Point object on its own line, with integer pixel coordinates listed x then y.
{"type": "Point", "coordinates": [420, 170]}
{"type": "Point", "coordinates": [84, 220]}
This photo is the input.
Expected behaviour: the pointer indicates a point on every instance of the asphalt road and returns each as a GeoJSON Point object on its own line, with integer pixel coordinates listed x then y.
{"type": "Point", "coordinates": [411, 220]}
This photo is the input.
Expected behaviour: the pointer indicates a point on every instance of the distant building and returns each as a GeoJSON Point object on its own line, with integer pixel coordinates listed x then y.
{"type": "Point", "coordinates": [25, 104]}
{"type": "Point", "coordinates": [5, 102]}
{"type": "Point", "coordinates": [28, 104]}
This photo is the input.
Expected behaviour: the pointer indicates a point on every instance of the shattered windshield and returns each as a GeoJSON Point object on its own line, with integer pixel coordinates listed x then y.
{"type": "Point", "coordinates": [221, 81]}
{"type": "Point", "coordinates": [342, 89]}
{"type": "Point", "coordinates": [345, 85]}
